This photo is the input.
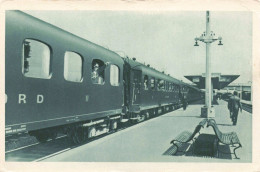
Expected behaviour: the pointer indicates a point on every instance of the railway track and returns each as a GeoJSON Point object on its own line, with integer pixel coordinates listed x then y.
{"type": "Point", "coordinates": [36, 150]}
{"type": "Point", "coordinates": [39, 151]}
{"type": "Point", "coordinates": [247, 107]}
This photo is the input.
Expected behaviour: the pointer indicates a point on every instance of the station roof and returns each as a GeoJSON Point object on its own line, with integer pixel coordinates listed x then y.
{"type": "Point", "coordinates": [219, 81]}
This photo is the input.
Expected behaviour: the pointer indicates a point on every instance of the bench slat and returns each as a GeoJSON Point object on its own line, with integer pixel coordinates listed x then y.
{"type": "Point", "coordinates": [235, 139]}
{"type": "Point", "coordinates": [183, 136]}
{"type": "Point", "coordinates": [225, 138]}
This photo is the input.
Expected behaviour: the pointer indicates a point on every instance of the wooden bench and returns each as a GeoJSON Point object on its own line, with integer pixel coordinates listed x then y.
{"type": "Point", "coordinates": [186, 137]}
{"type": "Point", "coordinates": [225, 138]}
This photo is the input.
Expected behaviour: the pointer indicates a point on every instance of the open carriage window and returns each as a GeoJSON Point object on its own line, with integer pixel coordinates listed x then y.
{"type": "Point", "coordinates": [161, 85]}
{"type": "Point", "coordinates": [36, 59]}
{"type": "Point", "coordinates": [166, 86]}
{"type": "Point", "coordinates": [145, 82]}
{"type": "Point", "coordinates": [175, 89]}
{"type": "Point", "coordinates": [73, 67]}
{"type": "Point", "coordinates": [98, 72]}
{"type": "Point", "coordinates": [158, 84]}
{"type": "Point", "coordinates": [152, 82]}
{"type": "Point", "coordinates": [170, 86]}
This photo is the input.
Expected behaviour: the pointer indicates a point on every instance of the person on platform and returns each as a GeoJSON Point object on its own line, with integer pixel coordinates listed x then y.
{"type": "Point", "coordinates": [233, 105]}
{"type": "Point", "coordinates": [184, 102]}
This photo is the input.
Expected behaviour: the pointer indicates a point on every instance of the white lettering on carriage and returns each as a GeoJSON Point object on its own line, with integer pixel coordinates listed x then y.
{"type": "Point", "coordinates": [40, 98]}
{"type": "Point", "coordinates": [22, 97]}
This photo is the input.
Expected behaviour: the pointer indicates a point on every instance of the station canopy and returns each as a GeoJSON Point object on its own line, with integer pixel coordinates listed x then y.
{"type": "Point", "coordinates": [219, 81]}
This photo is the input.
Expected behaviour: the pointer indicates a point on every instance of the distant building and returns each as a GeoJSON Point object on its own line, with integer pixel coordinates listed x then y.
{"type": "Point", "coordinates": [218, 81]}
{"type": "Point", "coordinates": [244, 90]}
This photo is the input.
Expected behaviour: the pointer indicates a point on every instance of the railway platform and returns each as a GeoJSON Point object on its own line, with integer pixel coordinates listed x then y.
{"type": "Point", "coordinates": [150, 140]}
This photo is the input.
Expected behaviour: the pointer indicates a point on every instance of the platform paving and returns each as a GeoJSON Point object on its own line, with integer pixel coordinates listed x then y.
{"type": "Point", "coordinates": [150, 140]}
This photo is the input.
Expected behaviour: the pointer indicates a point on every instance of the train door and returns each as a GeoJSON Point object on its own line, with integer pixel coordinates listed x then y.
{"type": "Point", "coordinates": [136, 77]}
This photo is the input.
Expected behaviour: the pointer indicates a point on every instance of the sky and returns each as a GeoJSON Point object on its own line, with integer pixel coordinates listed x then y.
{"type": "Point", "coordinates": [165, 39]}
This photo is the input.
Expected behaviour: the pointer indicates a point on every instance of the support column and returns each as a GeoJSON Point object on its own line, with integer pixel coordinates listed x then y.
{"type": "Point", "coordinates": [208, 37]}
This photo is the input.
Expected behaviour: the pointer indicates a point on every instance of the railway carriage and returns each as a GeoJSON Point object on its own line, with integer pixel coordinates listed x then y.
{"type": "Point", "coordinates": [191, 93]}
{"type": "Point", "coordinates": [48, 78]}
{"type": "Point", "coordinates": [194, 94]}
{"type": "Point", "coordinates": [58, 82]}
{"type": "Point", "coordinates": [150, 91]}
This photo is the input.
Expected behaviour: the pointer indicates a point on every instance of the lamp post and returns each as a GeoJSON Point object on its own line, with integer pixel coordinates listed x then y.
{"type": "Point", "coordinates": [208, 37]}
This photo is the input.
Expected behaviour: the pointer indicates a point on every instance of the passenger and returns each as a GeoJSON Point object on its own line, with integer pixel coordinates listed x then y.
{"type": "Point", "coordinates": [184, 102]}
{"type": "Point", "coordinates": [96, 76]}
{"type": "Point", "coordinates": [96, 79]}
{"type": "Point", "coordinates": [146, 84]}
{"type": "Point", "coordinates": [233, 105]}
{"type": "Point", "coordinates": [158, 85]}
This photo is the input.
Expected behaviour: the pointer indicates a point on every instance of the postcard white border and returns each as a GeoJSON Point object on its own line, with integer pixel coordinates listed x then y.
{"type": "Point", "coordinates": [156, 5]}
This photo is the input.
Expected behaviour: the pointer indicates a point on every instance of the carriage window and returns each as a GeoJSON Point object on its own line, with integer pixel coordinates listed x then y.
{"type": "Point", "coordinates": [163, 85]}
{"type": "Point", "coordinates": [145, 82]}
{"type": "Point", "coordinates": [152, 83]}
{"type": "Point", "coordinates": [98, 72]}
{"type": "Point", "coordinates": [170, 86]}
{"type": "Point", "coordinates": [73, 67]}
{"type": "Point", "coordinates": [166, 85]}
{"type": "Point", "coordinates": [160, 84]}
{"type": "Point", "coordinates": [114, 75]}
{"type": "Point", "coordinates": [36, 59]}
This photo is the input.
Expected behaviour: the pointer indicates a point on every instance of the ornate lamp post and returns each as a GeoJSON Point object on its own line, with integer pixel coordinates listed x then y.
{"type": "Point", "coordinates": [208, 37]}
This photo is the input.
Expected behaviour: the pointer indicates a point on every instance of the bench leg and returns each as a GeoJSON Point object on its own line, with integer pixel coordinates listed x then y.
{"type": "Point", "coordinates": [177, 148]}
{"type": "Point", "coordinates": [217, 150]}
{"type": "Point", "coordinates": [235, 151]}
{"type": "Point", "coordinates": [192, 148]}
{"type": "Point", "coordinates": [232, 142]}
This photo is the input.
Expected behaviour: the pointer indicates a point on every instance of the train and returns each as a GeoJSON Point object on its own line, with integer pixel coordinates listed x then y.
{"type": "Point", "coordinates": [57, 82]}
